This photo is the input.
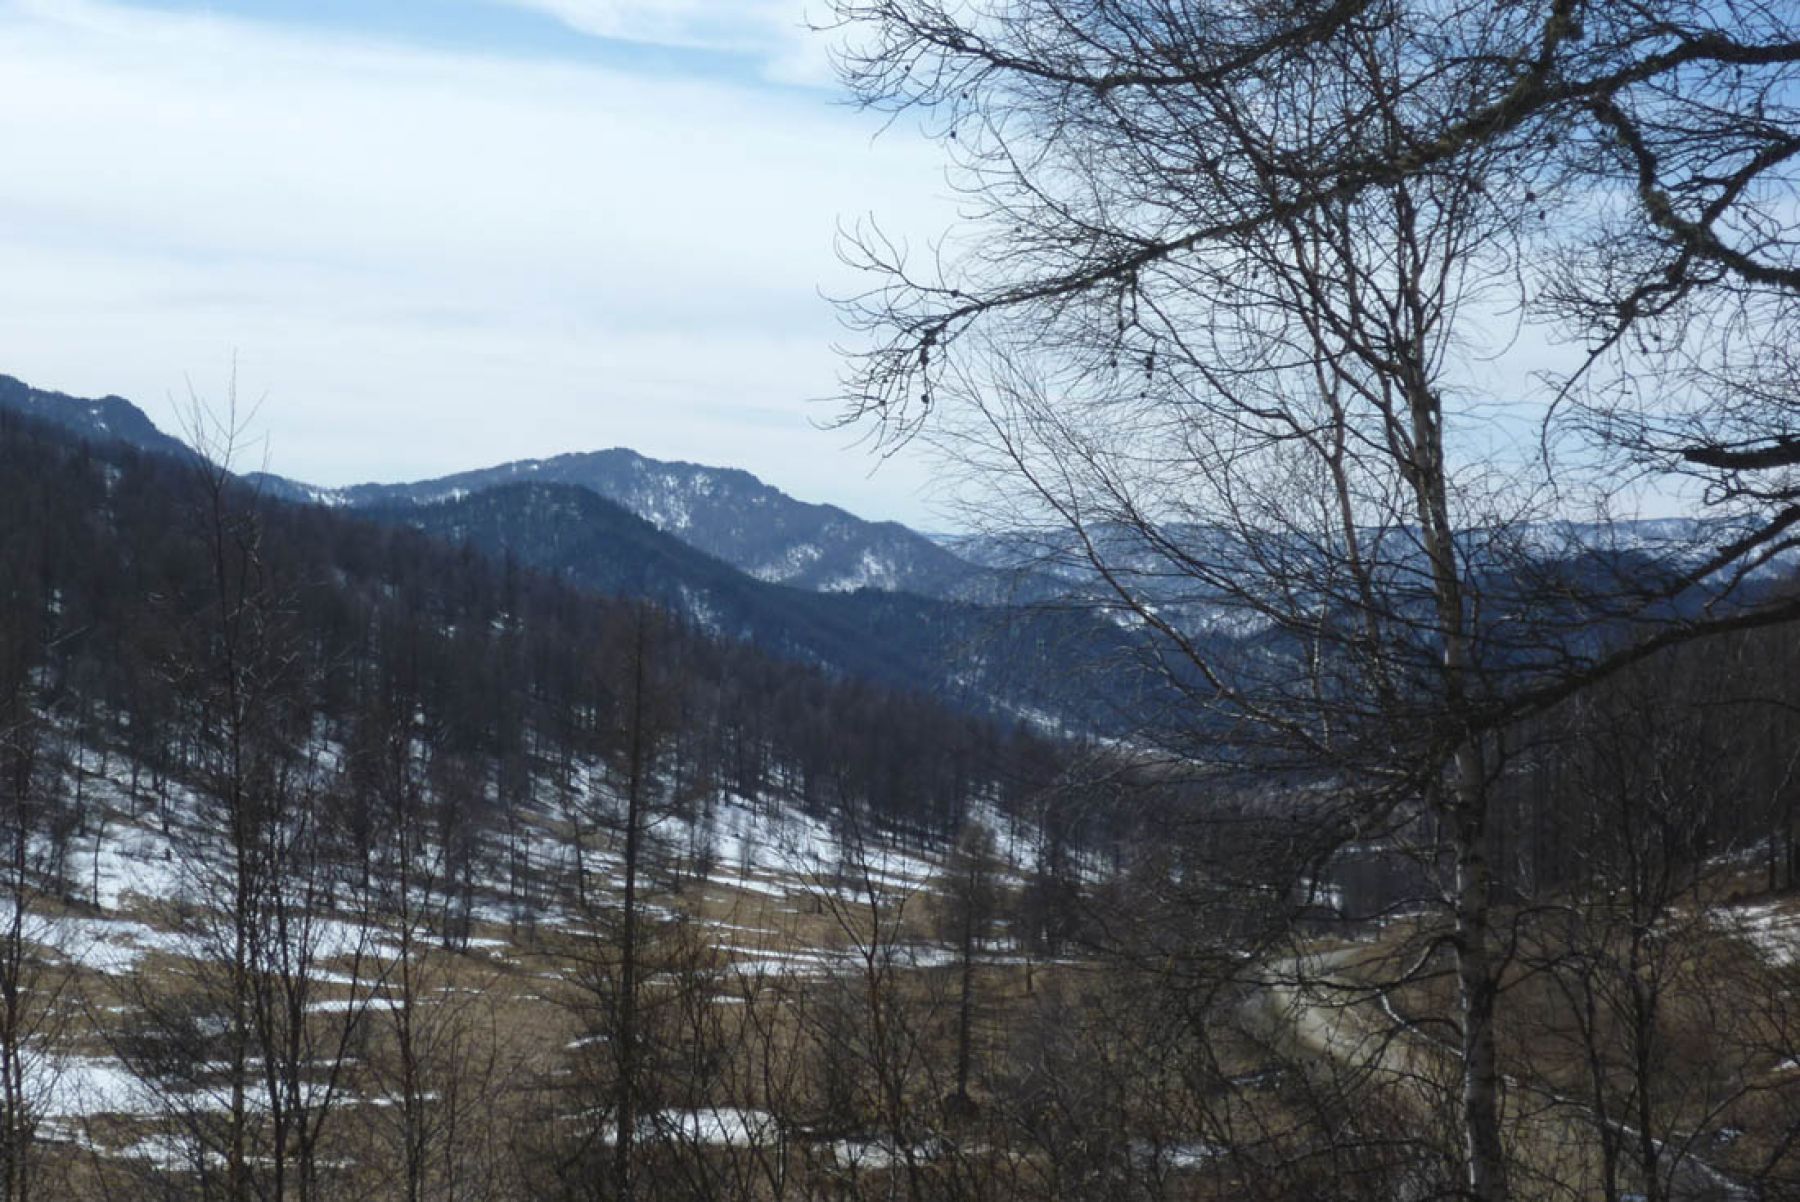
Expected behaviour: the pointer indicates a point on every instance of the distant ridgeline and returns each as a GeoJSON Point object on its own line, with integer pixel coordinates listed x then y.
{"type": "Point", "coordinates": [109, 419]}
{"type": "Point", "coordinates": [1005, 626]}
{"type": "Point", "coordinates": [726, 513]}
{"type": "Point", "coordinates": [1054, 666]}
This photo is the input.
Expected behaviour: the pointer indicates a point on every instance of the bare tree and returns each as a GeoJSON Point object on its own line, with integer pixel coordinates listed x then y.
{"type": "Point", "coordinates": [235, 1043]}
{"type": "Point", "coordinates": [234, 676]}
{"type": "Point", "coordinates": [619, 944]}
{"type": "Point", "coordinates": [968, 905]}
{"type": "Point", "coordinates": [870, 1028]}
{"type": "Point", "coordinates": [32, 988]}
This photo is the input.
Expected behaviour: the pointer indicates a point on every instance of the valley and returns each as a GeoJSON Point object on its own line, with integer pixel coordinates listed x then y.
{"type": "Point", "coordinates": [397, 849]}
{"type": "Point", "coordinates": [900, 601]}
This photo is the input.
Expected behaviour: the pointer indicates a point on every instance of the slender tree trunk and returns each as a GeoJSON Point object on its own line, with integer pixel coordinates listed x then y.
{"type": "Point", "coordinates": [1603, 1124]}
{"type": "Point", "coordinates": [1643, 1039]}
{"type": "Point", "coordinates": [1478, 988]}
{"type": "Point", "coordinates": [628, 966]}
{"type": "Point", "coordinates": [236, 1163]}
{"type": "Point", "coordinates": [412, 1119]}
{"type": "Point", "coordinates": [965, 1014]}
{"type": "Point", "coordinates": [12, 995]}
{"type": "Point", "coordinates": [1477, 981]}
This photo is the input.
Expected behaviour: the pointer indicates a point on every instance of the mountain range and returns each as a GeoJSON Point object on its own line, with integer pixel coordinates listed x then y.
{"type": "Point", "coordinates": [725, 512]}
{"type": "Point", "coordinates": [962, 619]}
{"type": "Point", "coordinates": [732, 555]}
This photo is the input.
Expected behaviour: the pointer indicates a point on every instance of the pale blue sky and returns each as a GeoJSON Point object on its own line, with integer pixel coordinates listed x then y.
{"type": "Point", "coordinates": [442, 233]}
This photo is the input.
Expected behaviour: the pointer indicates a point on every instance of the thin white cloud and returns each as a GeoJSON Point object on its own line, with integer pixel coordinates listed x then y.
{"type": "Point", "coordinates": [777, 33]}
{"type": "Point", "coordinates": [429, 260]}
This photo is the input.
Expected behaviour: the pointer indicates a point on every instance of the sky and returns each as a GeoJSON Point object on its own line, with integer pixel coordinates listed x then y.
{"type": "Point", "coordinates": [433, 235]}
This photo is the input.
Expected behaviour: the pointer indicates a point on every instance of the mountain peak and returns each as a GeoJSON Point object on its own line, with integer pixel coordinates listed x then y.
{"type": "Point", "coordinates": [106, 419]}
{"type": "Point", "coordinates": [725, 512]}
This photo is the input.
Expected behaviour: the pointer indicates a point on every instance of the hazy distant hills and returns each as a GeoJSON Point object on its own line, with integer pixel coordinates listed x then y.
{"type": "Point", "coordinates": [725, 513]}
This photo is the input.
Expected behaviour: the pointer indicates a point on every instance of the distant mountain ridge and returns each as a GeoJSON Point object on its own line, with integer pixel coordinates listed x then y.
{"type": "Point", "coordinates": [992, 659]}
{"type": "Point", "coordinates": [877, 600]}
{"type": "Point", "coordinates": [725, 512]}
{"type": "Point", "coordinates": [982, 658]}
{"type": "Point", "coordinates": [111, 418]}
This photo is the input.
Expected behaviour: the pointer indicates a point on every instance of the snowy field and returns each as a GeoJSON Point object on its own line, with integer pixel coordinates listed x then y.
{"type": "Point", "coordinates": [141, 877]}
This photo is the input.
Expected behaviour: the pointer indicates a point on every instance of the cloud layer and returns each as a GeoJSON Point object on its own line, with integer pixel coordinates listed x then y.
{"type": "Point", "coordinates": [775, 32]}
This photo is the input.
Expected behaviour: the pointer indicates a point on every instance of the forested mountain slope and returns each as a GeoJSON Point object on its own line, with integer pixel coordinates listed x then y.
{"type": "Point", "coordinates": [109, 561]}
{"type": "Point", "coordinates": [1054, 664]}
{"type": "Point", "coordinates": [1061, 665]}
{"type": "Point", "coordinates": [321, 830]}
{"type": "Point", "coordinates": [312, 818]}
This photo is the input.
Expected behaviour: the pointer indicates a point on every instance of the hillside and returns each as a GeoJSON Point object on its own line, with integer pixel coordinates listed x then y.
{"type": "Point", "coordinates": [992, 659]}
{"type": "Point", "coordinates": [985, 659]}
{"type": "Point", "coordinates": [409, 786]}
